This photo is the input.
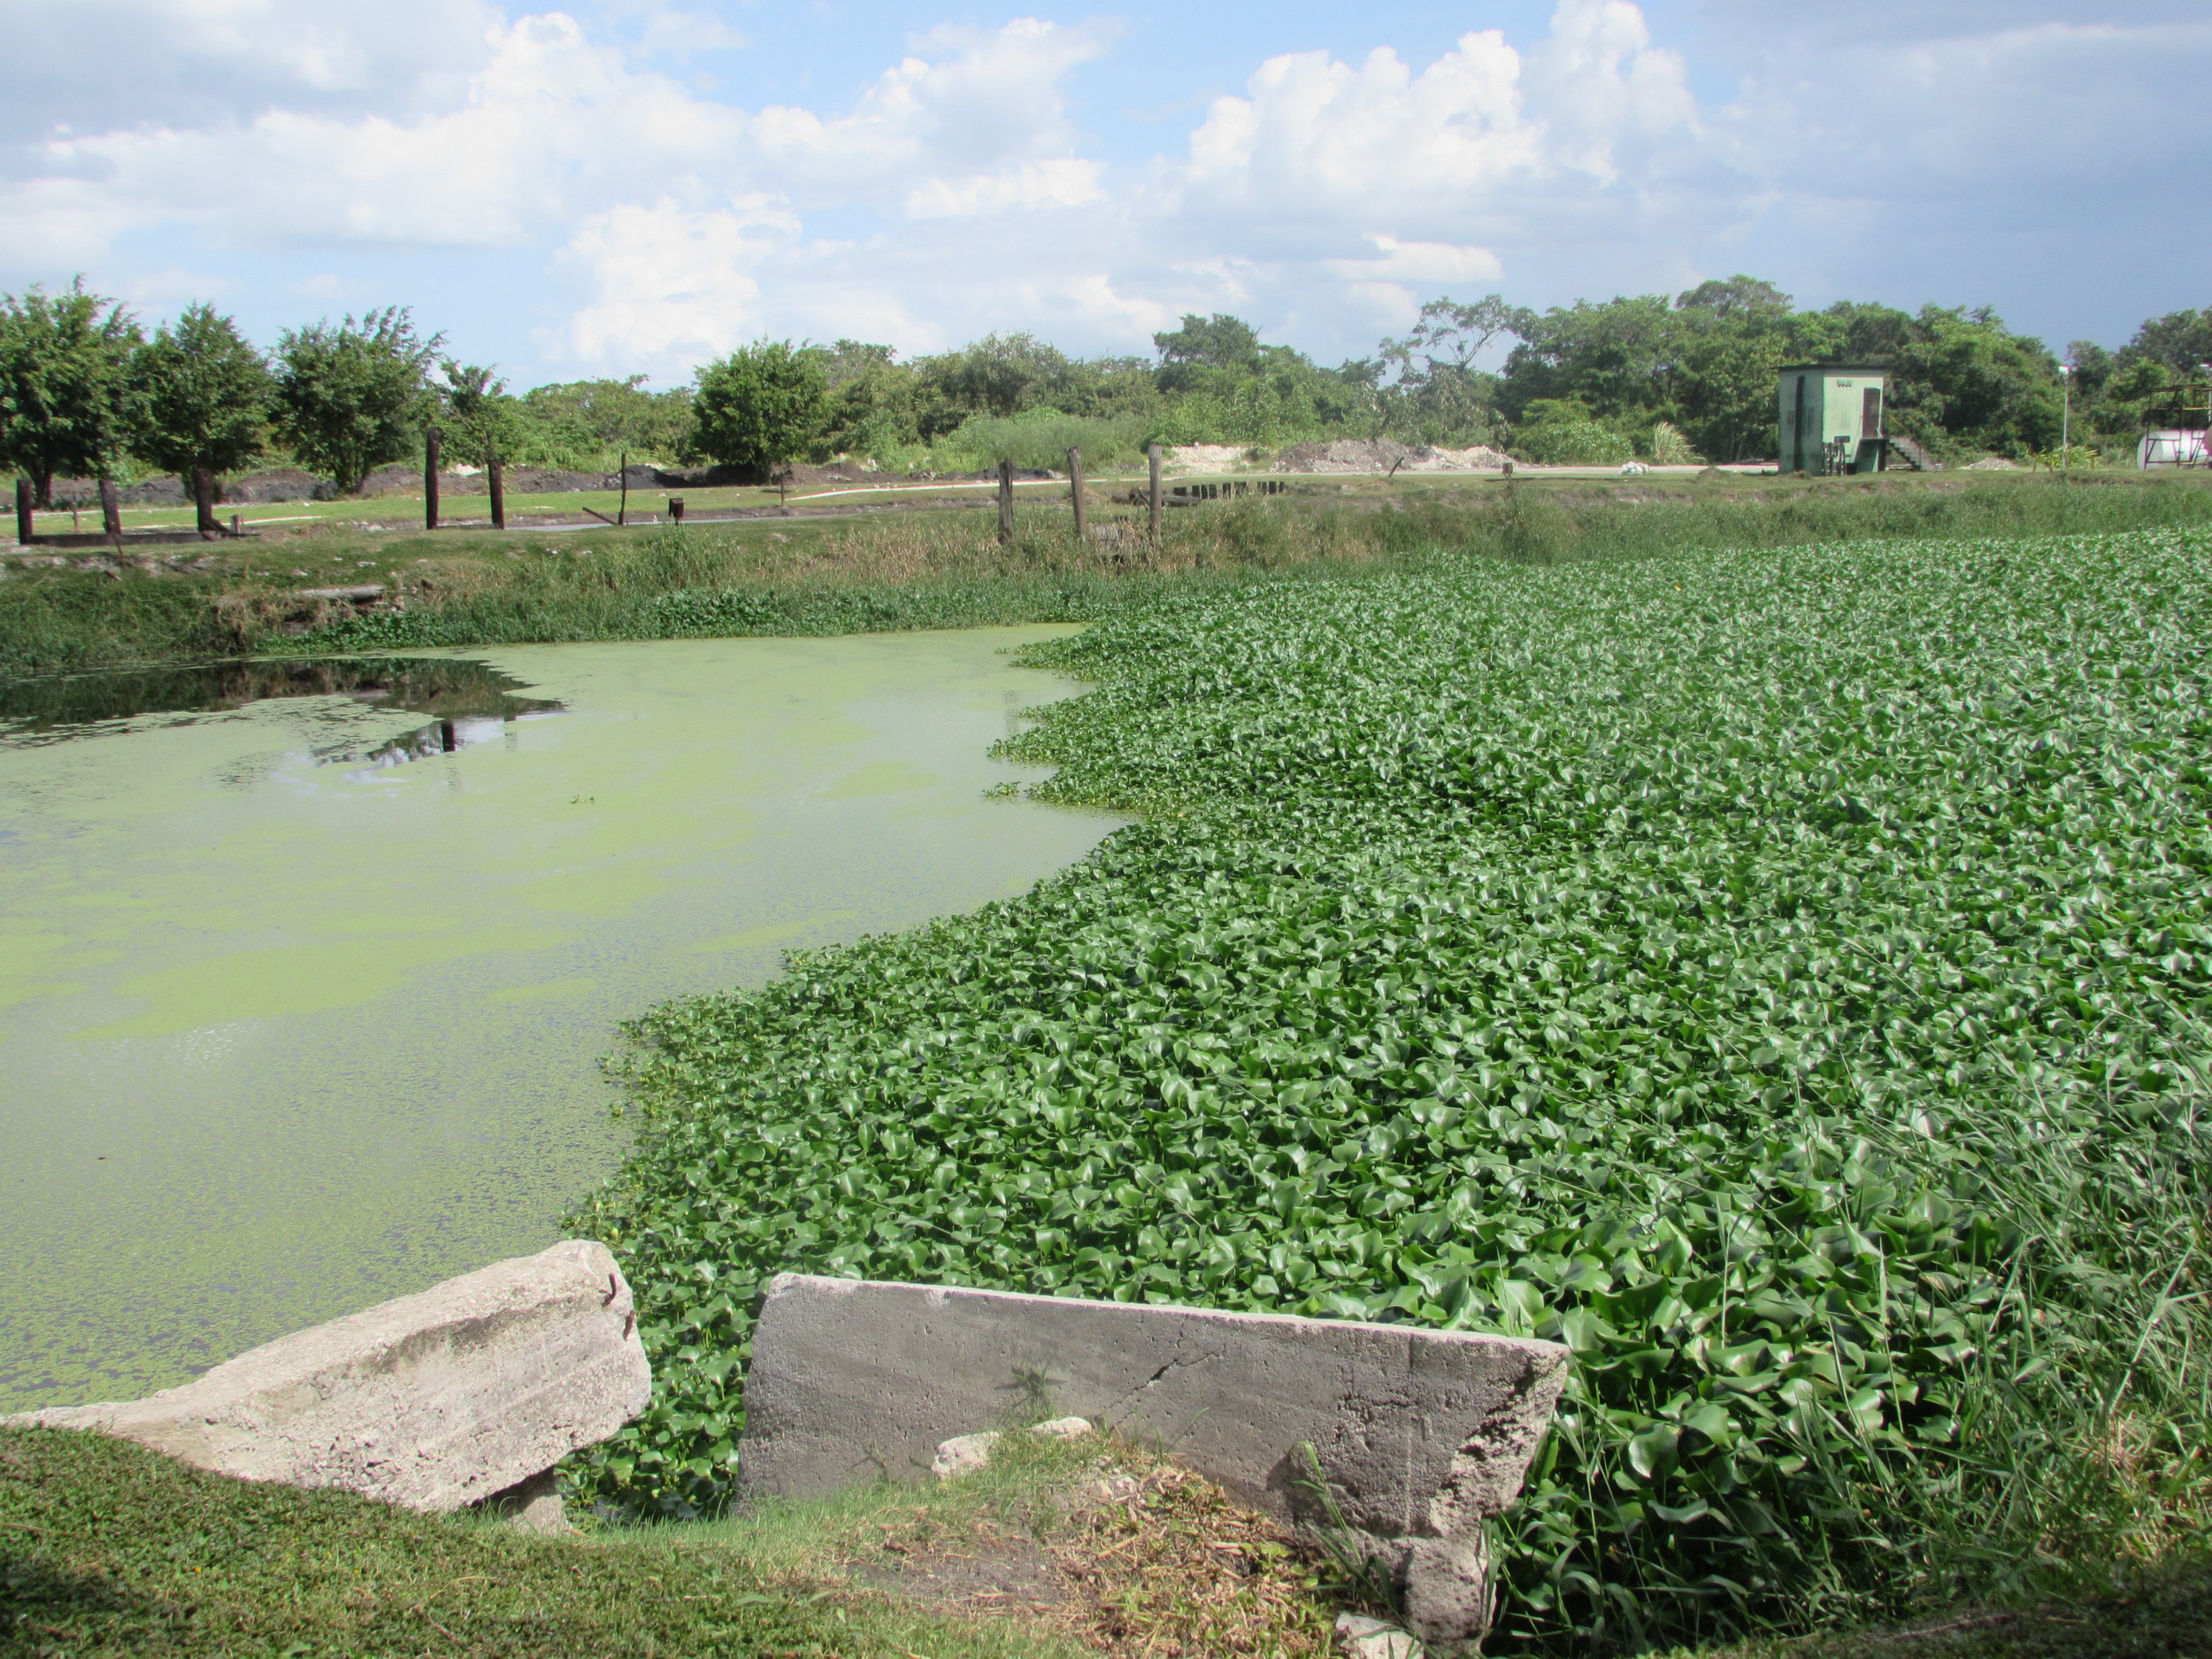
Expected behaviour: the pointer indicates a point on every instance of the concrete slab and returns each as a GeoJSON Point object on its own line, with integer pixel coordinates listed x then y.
{"type": "Point", "coordinates": [432, 1401]}
{"type": "Point", "coordinates": [1419, 1435]}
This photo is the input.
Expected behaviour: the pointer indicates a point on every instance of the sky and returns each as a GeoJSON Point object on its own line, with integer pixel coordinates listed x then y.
{"type": "Point", "coordinates": [619, 187]}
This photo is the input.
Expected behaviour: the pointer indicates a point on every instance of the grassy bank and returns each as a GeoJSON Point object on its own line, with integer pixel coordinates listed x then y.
{"type": "Point", "coordinates": [1783, 980]}
{"type": "Point", "coordinates": [947, 570]}
{"type": "Point", "coordinates": [1053, 1550]}
{"type": "Point", "coordinates": [106, 1548]}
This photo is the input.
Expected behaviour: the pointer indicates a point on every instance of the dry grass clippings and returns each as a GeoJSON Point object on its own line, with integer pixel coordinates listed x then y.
{"type": "Point", "coordinates": [1124, 1554]}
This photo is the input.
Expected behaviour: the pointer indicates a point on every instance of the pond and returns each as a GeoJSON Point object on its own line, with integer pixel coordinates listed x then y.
{"type": "Point", "coordinates": [305, 968]}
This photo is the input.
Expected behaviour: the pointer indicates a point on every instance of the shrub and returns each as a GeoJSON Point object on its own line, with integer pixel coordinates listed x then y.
{"type": "Point", "coordinates": [1570, 442]}
{"type": "Point", "coordinates": [1043, 438]}
{"type": "Point", "coordinates": [1669, 448]}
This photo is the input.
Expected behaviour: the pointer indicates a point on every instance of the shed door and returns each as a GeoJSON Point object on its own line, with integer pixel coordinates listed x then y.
{"type": "Point", "coordinates": [1870, 413]}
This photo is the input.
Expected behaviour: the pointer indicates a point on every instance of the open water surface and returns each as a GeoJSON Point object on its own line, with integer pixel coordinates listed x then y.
{"type": "Point", "coordinates": [304, 968]}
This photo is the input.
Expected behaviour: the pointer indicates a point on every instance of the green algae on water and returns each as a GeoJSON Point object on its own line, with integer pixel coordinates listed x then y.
{"type": "Point", "coordinates": [281, 1039]}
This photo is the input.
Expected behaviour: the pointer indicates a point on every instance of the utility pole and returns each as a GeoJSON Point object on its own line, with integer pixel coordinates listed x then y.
{"type": "Point", "coordinates": [2066, 416]}
{"type": "Point", "coordinates": [2204, 443]}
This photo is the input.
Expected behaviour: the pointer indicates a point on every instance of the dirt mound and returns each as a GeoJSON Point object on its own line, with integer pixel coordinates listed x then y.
{"type": "Point", "coordinates": [1383, 455]}
{"type": "Point", "coordinates": [167, 490]}
{"type": "Point", "coordinates": [1206, 457]}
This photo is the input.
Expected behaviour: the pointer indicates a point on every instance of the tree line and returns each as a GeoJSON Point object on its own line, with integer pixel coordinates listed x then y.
{"type": "Point", "coordinates": [86, 392]}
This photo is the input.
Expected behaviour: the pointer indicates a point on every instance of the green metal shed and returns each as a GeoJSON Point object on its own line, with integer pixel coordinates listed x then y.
{"type": "Point", "coordinates": [1831, 417]}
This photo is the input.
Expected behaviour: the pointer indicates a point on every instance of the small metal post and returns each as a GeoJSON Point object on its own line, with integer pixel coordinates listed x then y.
{"type": "Point", "coordinates": [1152, 455]}
{"type": "Point", "coordinates": [430, 477]}
{"type": "Point", "coordinates": [1075, 490]}
{"type": "Point", "coordinates": [235, 528]}
{"type": "Point", "coordinates": [495, 471]}
{"type": "Point", "coordinates": [25, 523]}
{"type": "Point", "coordinates": [1005, 503]}
{"type": "Point", "coordinates": [675, 510]}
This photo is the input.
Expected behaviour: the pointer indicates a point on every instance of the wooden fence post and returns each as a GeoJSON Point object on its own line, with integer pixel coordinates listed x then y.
{"type": "Point", "coordinates": [495, 470]}
{"type": "Point", "coordinates": [1075, 487]}
{"type": "Point", "coordinates": [1152, 454]}
{"type": "Point", "coordinates": [430, 477]}
{"type": "Point", "coordinates": [110, 511]}
{"type": "Point", "coordinates": [203, 503]}
{"type": "Point", "coordinates": [1005, 503]}
{"type": "Point", "coordinates": [25, 525]}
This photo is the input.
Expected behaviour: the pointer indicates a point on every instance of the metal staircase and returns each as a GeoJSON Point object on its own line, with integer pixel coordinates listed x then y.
{"type": "Point", "coordinates": [1915, 456]}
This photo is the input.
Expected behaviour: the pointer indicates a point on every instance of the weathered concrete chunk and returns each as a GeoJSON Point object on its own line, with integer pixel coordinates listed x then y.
{"type": "Point", "coordinates": [963, 1454]}
{"type": "Point", "coordinates": [1372, 1639]}
{"type": "Point", "coordinates": [432, 1401]}
{"type": "Point", "coordinates": [1418, 1434]}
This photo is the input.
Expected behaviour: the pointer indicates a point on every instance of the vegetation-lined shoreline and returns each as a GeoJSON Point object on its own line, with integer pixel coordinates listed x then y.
{"type": "Point", "coordinates": [939, 571]}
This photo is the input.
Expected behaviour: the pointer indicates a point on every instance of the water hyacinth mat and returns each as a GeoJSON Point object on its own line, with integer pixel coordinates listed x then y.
{"type": "Point", "coordinates": [1778, 975]}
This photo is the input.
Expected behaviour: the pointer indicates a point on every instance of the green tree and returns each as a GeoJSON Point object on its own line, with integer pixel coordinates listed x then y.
{"type": "Point", "coordinates": [199, 397]}
{"type": "Point", "coordinates": [1000, 375]}
{"type": "Point", "coordinates": [1732, 339]}
{"type": "Point", "coordinates": [762, 405]}
{"type": "Point", "coordinates": [64, 384]}
{"type": "Point", "coordinates": [1620, 359]}
{"type": "Point", "coordinates": [872, 401]}
{"type": "Point", "coordinates": [584, 424]}
{"type": "Point", "coordinates": [2180, 341]}
{"type": "Point", "coordinates": [355, 398]}
{"type": "Point", "coordinates": [1440, 395]}
{"type": "Point", "coordinates": [1221, 344]}
{"type": "Point", "coordinates": [1962, 376]}
{"type": "Point", "coordinates": [482, 423]}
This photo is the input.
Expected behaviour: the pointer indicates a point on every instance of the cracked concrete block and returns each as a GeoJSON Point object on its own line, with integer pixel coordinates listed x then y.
{"type": "Point", "coordinates": [465, 1392]}
{"type": "Point", "coordinates": [1420, 1434]}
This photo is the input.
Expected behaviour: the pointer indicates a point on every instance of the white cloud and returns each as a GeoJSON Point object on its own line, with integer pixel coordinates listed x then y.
{"type": "Point", "coordinates": [211, 62]}
{"type": "Point", "coordinates": [1069, 181]}
{"type": "Point", "coordinates": [2007, 155]}
{"type": "Point", "coordinates": [552, 128]}
{"type": "Point", "coordinates": [673, 285]}
{"type": "Point", "coordinates": [968, 102]}
{"type": "Point", "coordinates": [956, 191]}
{"type": "Point", "coordinates": [1318, 138]}
{"type": "Point", "coordinates": [174, 287]}
{"type": "Point", "coordinates": [1422, 262]}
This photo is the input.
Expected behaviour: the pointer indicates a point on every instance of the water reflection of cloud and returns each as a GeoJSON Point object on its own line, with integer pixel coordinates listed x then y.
{"type": "Point", "coordinates": [439, 737]}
